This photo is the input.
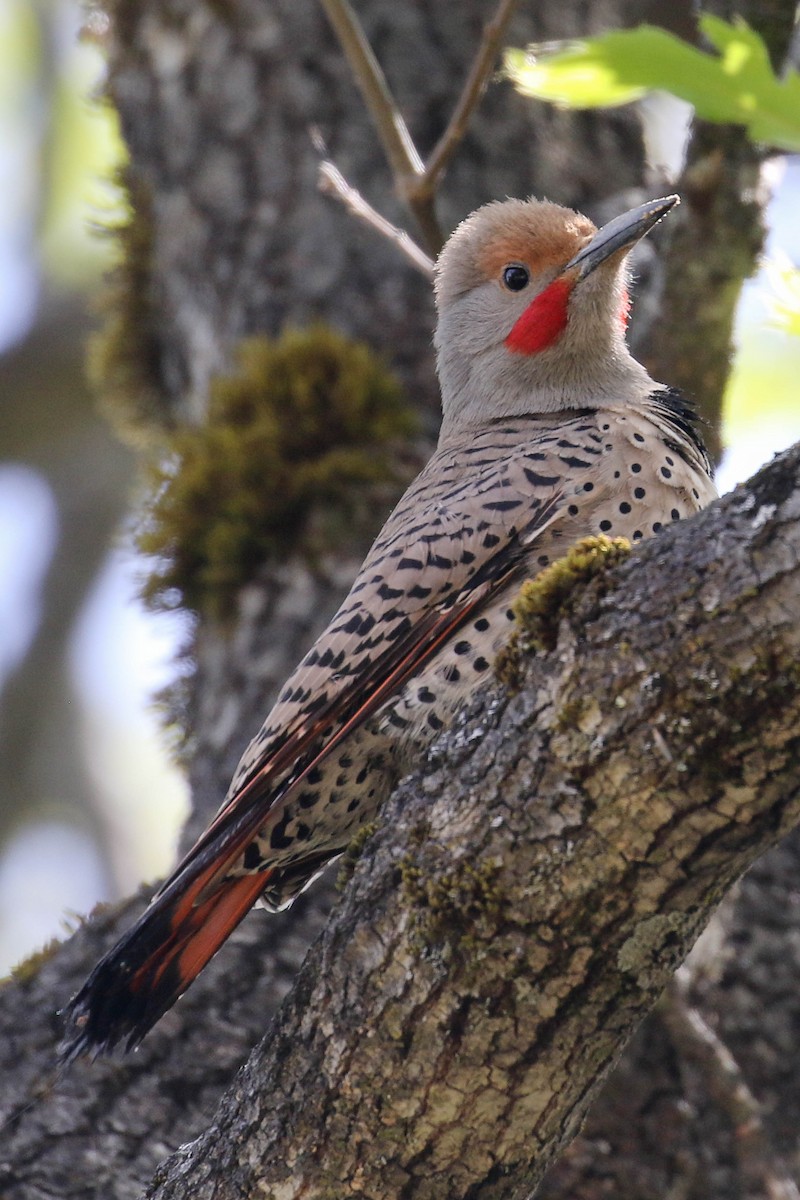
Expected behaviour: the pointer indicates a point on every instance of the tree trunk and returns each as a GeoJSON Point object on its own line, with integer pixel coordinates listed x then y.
{"type": "Point", "coordinates": [216, 105]}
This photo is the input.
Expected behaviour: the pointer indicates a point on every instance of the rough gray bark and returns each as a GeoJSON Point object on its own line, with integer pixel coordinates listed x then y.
{"type": "Point", "coordinates": [215, 105]}
{"type": "Point", "coordinates": [541, 880]}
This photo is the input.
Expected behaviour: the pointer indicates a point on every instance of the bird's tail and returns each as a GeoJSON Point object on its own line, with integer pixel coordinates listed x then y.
{"type": "Point", "coordinates": [154, 963]}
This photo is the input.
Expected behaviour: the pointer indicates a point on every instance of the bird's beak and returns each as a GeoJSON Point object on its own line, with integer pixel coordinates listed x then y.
{"type": "Point", "coordinates": [619, 235]}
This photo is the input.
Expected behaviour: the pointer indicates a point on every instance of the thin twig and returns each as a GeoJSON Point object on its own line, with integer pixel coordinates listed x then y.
{"type": "Point", "coordinates": [700, 1044]}
{"type": "Point", "coordinates": [473, 89]}
{"type": "Point", "coordinates": [415, 182]}
{"type": "Point", "coordinates": [397, 142]}
{"type": "Point", "coordinates": [333, 183]}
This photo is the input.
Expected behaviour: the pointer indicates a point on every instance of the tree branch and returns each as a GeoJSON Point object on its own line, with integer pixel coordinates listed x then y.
{"type": "Point", "coordinates": [474, 87]}
{"type": "Point", "coordinates": [396, 140]}
{"type": "Point", "coordinates": [333, 183]}
{"type": "Point", "coordinates": [526, 900]}
{"type": "Point", "coordinates": [416, 183]}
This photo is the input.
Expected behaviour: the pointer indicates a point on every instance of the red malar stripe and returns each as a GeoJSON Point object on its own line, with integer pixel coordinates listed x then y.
{"type": "Point", "coordinates": [543, 321]}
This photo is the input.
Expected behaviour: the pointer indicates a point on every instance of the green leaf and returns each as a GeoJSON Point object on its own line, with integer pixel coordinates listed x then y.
{"type": "Point", "coordinates": [737, 85]}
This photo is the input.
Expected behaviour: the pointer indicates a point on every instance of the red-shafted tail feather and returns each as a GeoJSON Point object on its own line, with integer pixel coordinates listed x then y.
{"type": "Point", "coordinates": [153, 964]}
{"type": "Point", "coordinates": [201, 904]}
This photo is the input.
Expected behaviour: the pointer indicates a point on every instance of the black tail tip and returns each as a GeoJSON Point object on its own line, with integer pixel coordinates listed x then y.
{"type": "Point", "coordinates": [87, 1034]}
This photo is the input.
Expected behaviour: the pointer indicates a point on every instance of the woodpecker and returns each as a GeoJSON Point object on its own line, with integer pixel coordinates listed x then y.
{"type": "Point", "coordinates": [551, 432]}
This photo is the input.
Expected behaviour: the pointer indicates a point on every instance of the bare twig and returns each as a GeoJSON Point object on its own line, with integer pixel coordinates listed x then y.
{"type": "Point", "coordinates": [474, 88]}
{"type": "Point", "coordinates": [404, 159]}
{"type": "Point", "coordinates": [333, 183]}
{"type": "Point", "coordinates": [371, 81]}
{"type": "Point", "coordinates": [695, 1039]}
{"type": "Point", "coordinates": [416, 183]}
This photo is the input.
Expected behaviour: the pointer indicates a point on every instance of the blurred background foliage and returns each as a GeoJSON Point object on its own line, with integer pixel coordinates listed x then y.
{"type": "Point", "coordinates": [89, 803]}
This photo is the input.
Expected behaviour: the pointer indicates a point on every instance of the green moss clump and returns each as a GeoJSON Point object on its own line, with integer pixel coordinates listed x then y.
{"type": "Point", "coordinates": [124, 355]}
{"type": "Point", "coordinates": [296, 444]}
{"type": "Point", "coordinates": [353, 853]}
{"type": "Point", "coordinates": [542, 602]}
{"type": "Point", "coordinates": [457, 907]}
{"type": "Point", "coordinates": [28, 969]}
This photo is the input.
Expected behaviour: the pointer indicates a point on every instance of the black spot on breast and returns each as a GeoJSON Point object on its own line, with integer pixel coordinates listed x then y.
{"type": "Point", "coordinates": [480, 664]}
{"type": "Point", "coordinates": [307, 799]}
{"type": "Point", "coordinates": [481, 625]}
{"type": "Point", "coordinates": [461, 648]}
{"type": "Point", "coordinates": [605, 526]}
{"type": "Point", "coordinates": [639, 493]}
{"type": "Point", "coordinates": [625, 507]}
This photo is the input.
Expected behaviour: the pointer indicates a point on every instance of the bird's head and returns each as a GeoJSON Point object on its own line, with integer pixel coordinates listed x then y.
{"type": "Point", "coordinates": [533, 304]}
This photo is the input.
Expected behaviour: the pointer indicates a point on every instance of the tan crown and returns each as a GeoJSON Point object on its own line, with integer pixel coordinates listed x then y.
{"type": "Point", "coordinates": [537, 233]}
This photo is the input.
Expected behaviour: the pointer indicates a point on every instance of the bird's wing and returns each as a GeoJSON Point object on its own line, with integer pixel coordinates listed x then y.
{"type": "Point", "coordinates": [462, 514]}
{"type": "Point", "coordinates": [467, 554]}
{"type": "Point", "coordinates": [435, 585]}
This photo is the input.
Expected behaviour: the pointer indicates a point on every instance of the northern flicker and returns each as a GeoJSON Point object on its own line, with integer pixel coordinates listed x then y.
{"type": "Point", "coordinates": [551, 431]}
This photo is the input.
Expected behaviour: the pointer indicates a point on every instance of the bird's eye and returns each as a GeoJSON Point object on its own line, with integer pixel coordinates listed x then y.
{"type": "Point", "coordinates": [516, 277]}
